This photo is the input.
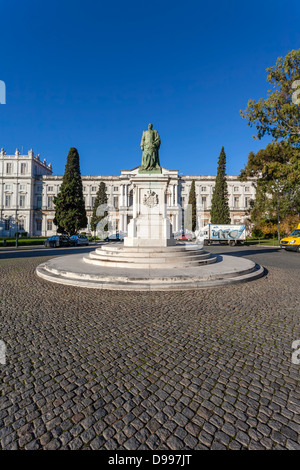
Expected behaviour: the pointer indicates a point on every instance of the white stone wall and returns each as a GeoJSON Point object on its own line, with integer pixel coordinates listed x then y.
{"type": "Point", "coordinates": [39, 186]}
{"type": "Point", "coordinates": [204, 185]}
{"type": "Point", "coordinates": [19, 176]}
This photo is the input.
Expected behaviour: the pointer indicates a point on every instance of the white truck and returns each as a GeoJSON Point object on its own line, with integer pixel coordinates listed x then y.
{"type": "Point", "coordinates": [227, 234]}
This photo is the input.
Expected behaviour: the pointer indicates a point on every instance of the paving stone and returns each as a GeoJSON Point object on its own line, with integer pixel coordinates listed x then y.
{"type": "Point", "coordinates": [217, 446]}
{"type": "Point", "coordinates": [193, 429]}
{"type": "Point", "coordinates": [289, 433]}
{"type": "Point", "coordinates": [243, 438]}
{"type": "Point", "coordinates": [291, 445]}
{"type": "Point", "coordinates": [132, 444]}
{"type": "Point", "coordinates": [88, 435]}
{"type": "Point", "coordinates": [278, 437]}
{"type": "Point", "coordinates": [174, 443]}
{"type": "Point", "coordinates": [146, 376]}
{"type": "Point", "coordinates": [53, 445]}
{"type": "Point", "coordinates": [205, 438]}
{"type": "Point", "coordinates": [75, 444]}
{"type": "Point", "coordinates": [97, 443]}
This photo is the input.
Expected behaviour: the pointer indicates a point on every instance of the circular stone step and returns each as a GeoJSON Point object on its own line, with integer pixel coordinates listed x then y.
{"type": "Point", "coordinates": [73, 270]}
{"type": "Point", "coordinates": [147, 257]}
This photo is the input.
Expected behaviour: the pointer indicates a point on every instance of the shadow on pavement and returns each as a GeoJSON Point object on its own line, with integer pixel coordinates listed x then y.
{"type": "Point", "coordinates": [247, 252]}
{"type": "Point", "coordinates": [44, 252]}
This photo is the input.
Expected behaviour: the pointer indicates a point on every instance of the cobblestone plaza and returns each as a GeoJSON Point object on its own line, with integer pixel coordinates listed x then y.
{"type": "Point", "coordinates": [206, 369]}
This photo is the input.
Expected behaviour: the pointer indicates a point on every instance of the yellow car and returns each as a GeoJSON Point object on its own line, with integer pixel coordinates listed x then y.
{"type": "Point", "coordinates": [292, 242]}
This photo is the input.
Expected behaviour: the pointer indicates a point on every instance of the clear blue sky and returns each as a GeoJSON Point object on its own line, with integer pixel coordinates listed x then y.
{"type": "Point", "coordinates": [93, 74]}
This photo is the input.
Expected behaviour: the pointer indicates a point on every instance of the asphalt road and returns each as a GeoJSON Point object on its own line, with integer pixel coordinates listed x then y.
{"type": "Point", "coordinates": [34, 252]}
{"type": "Point", "coordinates": [265, 256]}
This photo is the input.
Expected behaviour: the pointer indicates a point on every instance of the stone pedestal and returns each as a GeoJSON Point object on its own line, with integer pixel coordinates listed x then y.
{"type": "Point", "coordinates": [150, 225]}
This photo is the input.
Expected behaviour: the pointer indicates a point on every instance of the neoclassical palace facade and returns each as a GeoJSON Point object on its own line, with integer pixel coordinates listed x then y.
{"type": "Point", "coordinates": [28, 186]}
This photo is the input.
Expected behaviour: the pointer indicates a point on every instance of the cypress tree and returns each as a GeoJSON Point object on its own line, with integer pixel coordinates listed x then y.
{"type": "Point", "coordinates": [101, 198]}
{"type": "Point", "coordinates": [193, 208]}
{"type": "Point", "coordinates": [70, 214]}
{"type": "Point", "coordinates": [220, 212]}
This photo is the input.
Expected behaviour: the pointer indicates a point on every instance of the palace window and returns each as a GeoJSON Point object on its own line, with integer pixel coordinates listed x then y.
{"type": "Point", "coordinates": [8, 187]}
{"type": "Point", "coordinates": [130, 198]}
{"type": "Point", "coordinates": [38, 225]}
{"type": "Point", "coordinates": [39, 202]}
{"type": "Point", "coordinates": [116, 188]}
{"type": "Point", "coordinates": [50, 188]}
{"type": "Point", "coordinates": [203, 189]}
{"type": "Point", "coordinates": [22, 201]}
{"type": "Point", "coordinates": [23, 168]}
{"type": "Point", "coordinates": [94, 189]}
{"type": "Point", "coordinates": [9, 168]}
{"type": "Point", "coordinates": [7, 200]}
{"type": "Point", "coordinates": [247, 189]}
{"type": "Point", "coordinates": [50, 202]}
{"type": "Point", "coordinates": [236, 202]}
{"type": "Point", "coordinates": [236, 189]}
{"type": "Point", "coordinates": [116, 202]}
{"type": "Point", "coordinates": [22, 187]}
{"type": "Point", "coordinates": [49, 224]}
{"type": "Point", "coordinates": [203, 202]}
{"type": "Point", "coordinates": [247, 202]}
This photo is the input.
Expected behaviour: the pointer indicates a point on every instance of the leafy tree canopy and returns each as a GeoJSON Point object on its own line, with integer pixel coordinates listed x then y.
{"type": "Point", "coordinates": [277, 169]}
{"type": "Point", "coordinates": [279, 114]}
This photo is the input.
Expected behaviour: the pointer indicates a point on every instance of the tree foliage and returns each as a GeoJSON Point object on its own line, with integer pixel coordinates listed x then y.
{"type": "Point", "coordinates": [193, 206]}
{"type": "Point", "coordinates": [101, 198]}
{"type": "Point", "coordinates": [70, 214]}
{"type": "Point", "coordinates": [220, 212]}
{"type": "Point", "coordinates": [279, 114]}
{"type": "Point", "coordinates": [277, 169]}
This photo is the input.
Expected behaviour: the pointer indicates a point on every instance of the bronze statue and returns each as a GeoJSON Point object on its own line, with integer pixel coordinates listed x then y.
{"type": "Point", "coordinates": [150, 144]}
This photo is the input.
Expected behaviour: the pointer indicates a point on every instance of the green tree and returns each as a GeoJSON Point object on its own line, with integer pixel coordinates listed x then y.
{"type": "Point", "coordinates": [220, 212]}
{"type": "Point", "coordinates": [193, 206]}
{"type": "Point", "coordinates": [101, 198]}
{"type": "Point", "coordinates": [277, 169]}
{"type": "Point", "coordinates": [279, 114]}
{"type": "Point", "coordinates": [70, 214]}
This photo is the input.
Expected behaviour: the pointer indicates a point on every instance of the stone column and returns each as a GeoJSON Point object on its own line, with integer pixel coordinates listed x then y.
{"type": "Point", "coordinates": [122, 195]}
{"type": "Point", "coordinates": [171, 195]}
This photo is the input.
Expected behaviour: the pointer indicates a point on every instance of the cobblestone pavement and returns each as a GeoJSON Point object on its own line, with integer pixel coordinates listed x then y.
{"type": "Point", "coordinates": [207, 369]}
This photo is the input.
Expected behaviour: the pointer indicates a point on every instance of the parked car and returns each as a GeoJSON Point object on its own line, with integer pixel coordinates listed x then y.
{"type": "Point", "coordinates": [292, 242]}
{"type": "Point", "coordinates": [57, 240]}
{"type": "Point", "coordinates": [183, 237]}
{"type": "Point", "coordinates": [77, 240]}
{"type": "Point", "coordinates": [115, 237]}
